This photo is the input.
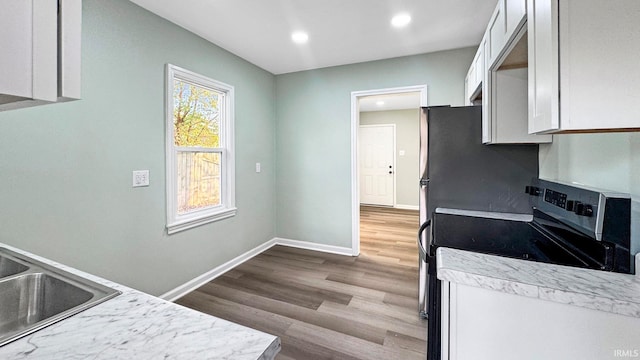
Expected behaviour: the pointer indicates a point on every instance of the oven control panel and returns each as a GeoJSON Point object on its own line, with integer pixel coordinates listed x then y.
{"type": "Point", "coordinates": [560, 199]}
{"type": "Point", "coordinates": [578, 207]}
{"type": "Point", "coordinates": [555, 198]}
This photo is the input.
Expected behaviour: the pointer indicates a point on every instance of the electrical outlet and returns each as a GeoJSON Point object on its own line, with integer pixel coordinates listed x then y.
{"type": "Point", "coordinates": [140, 178]}
{"type": "Point", "coordinates": [258, 167]}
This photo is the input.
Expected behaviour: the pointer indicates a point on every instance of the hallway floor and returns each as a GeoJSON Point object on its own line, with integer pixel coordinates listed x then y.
{"type": "Point", "coordinates": [326, 306]}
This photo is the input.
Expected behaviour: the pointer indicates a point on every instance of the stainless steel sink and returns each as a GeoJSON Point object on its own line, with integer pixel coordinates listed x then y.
{"type": "Point", "coordinates": [9, 267]}
{"type": "Point", "coordinates": [34, 295]}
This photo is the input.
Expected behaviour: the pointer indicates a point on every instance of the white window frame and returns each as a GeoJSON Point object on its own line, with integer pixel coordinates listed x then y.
{"type": "Point", "coordinates": [227, 208]}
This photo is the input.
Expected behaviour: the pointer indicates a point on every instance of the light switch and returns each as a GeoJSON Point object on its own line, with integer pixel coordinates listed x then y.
{"type": "Point", "coordinates": [401, 152]}
{"type": "Point", "coordinates": [140, 178]}
{"type": "Point", "coordinates": [258, 167]}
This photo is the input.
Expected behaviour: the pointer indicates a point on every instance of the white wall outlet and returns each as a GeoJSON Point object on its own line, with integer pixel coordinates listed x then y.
{"type": "Point", "coordinates": [140, 178]}
{"type": "Point", "coordinates": [258, 167]}
{"type": "Point", "coordinates": [401, 152]}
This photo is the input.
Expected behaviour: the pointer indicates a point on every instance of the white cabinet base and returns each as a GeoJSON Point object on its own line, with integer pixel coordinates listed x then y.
{"type": "Point", "coordinates": [484, 324]}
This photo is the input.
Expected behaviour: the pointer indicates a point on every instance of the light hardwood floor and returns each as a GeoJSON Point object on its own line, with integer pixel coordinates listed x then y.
{"type": "Point", "coordinates": [326, 306]}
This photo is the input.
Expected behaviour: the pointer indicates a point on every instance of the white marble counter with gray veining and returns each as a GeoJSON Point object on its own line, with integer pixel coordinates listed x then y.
{"type": "Point", "coordinates": [598, 290]}
{"type": "Point", "coordinates": [135, 325]}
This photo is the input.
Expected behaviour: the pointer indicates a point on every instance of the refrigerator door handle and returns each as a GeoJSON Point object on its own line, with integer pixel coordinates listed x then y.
{"type": "Point", "coordinates": [421, 249]}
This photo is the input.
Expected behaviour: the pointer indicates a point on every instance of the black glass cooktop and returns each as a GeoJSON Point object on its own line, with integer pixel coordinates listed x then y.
{"type": "Point", "coordinates": [491, 236]}
{"type": "Point", "coordinates": [542, 240]}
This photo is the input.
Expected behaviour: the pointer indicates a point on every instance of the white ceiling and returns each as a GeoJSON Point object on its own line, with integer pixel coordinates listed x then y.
{"type": "Point", "coordinates": [399, 101]}
{"type": "Point", "coordinates": [340, 31]}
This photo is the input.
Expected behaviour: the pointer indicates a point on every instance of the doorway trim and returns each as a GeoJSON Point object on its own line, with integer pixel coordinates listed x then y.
{"type": "Point", "coordinates": [355, 125]}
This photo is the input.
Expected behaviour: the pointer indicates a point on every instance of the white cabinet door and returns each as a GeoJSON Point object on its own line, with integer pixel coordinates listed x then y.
{"type": "Point", "coordinates": [16, 55]}
{"type": "Point", "coordinates": [70, 33]}
{"type": "Point", "coordinates": [515, 12]}
{"type": "Point", "coordinates": [28, 59]}
{"type": "Point", "coordinates": [467, 93]}
{"type": "Point", "coordinates": [469, 84]}
{"type": "Point", "coordinates": [496, 33]}
{"type": "Point", "coordinates": [542, 26]}
{"type": "Point", "coordinates": [599, 64]}
{"type": "Point", "coordinates": [479, 65]}
{"type": "Point", "coordinates": [474, 76]}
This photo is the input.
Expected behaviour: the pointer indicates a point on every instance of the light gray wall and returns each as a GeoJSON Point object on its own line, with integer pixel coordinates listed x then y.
{"type": "Point", "coordinates": [65, 169]}
{"type": "Point", "coordinates": [407, 124]}
{"type": "Point", "coordinates": [609, 161]}
{"type": "Point", "coordinates": [313, 135]}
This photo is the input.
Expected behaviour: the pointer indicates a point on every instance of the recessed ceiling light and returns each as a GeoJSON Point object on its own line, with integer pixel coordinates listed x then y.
{"type": "Point", "coordinates": [299, 37]}
{"type": "Point", "coordinates": [401, 20]}
{"type": "Point", "coordinates": [379, 103]}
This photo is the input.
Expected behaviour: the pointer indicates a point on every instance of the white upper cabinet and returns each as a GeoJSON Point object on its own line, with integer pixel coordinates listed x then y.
{"type": "Point", "coordinates": [583, 65]}
{"type": "Point", "coordinates": [28, 60]}
{"type": "Point", "coordinates": [505, 84]}
{"type": "Point", "coordinates": [40, 57]}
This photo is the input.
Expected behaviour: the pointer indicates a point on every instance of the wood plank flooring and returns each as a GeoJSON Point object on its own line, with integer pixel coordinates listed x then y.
{"type": "Point", "coordinates": [325, 306]}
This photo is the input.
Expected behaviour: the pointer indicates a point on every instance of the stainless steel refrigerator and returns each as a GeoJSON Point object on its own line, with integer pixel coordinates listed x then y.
{"type": "Point", "coordinates": [457, 171]}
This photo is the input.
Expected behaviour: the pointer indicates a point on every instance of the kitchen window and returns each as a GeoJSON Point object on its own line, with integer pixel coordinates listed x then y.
{"type": "Point", "coordinates": [200, 152]}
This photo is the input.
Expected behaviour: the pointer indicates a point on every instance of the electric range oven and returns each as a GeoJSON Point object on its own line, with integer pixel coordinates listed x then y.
{"type": "Point", "coordinates": [570, 225]}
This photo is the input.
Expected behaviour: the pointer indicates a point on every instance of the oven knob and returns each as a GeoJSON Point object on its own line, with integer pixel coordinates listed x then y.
{"type": "Point", "coordinates": [570, 205]}
{"type": "Point", "coordinates": [583, 209]}
{"type": "Point", "coordinates": [532, 190]}
{"type": "Point", "coordinates": [588, 211]}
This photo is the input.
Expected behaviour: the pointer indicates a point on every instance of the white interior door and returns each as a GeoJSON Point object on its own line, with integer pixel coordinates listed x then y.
{"type": "Point", "coordinates": [377, 164]}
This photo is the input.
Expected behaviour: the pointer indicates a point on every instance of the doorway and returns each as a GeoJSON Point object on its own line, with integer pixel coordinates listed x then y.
{"type": "Point", "coordinates": [371, 99]}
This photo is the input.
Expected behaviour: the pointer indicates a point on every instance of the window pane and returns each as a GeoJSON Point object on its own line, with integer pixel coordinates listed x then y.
{"type": "Point", "coordinates": [196, 115]}
{"type": "Point", "coordinates": [198, 180]}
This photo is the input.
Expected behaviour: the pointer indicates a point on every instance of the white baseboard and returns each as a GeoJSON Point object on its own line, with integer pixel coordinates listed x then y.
{"type": "Point", "coordinates": [407, 207]}
{"type": "Point", "coordinates": [180, 291]}
{"type": "Point", "coordinates": [314, 246]}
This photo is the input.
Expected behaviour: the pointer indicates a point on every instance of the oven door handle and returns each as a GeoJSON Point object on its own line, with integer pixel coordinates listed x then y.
{"type": "Point", "coordinates": [421, 249]}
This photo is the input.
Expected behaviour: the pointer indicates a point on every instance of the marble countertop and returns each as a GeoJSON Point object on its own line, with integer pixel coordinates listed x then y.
{"type": "Point", "coordinates": [135, 325]}
{"type": "Point", "coordinates": [598, 290]}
